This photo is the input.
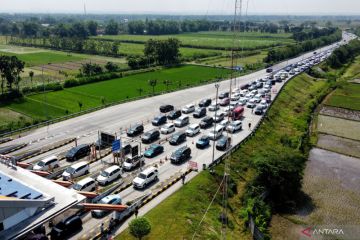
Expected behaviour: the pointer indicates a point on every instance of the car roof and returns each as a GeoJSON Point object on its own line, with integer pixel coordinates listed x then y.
{"type": "Point", "coordinates": [48, 158]}
{"type": "Point", "coordinates": [112, 168]}
{"type": "Point", "coordinates": [79, 164]}
{"type": "Point", "coordinates": [110, 197]}
{"type": "Point", "coordinates": [183, 117]}
{"type": "Point", "coordinates": [80, 146]}
{"type": "Point", "coordinates": [85, 180]}
{"type": "Point", "coordinates": [148, 170]}
{"type": "Point", "coordinates": [194, 125]}
{"type": "Point", "coordinates": [152, 130]}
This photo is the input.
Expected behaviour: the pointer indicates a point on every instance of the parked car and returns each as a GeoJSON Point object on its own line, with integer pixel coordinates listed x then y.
{"type": "Point", "coordinates": [224, 102]}
{"type": "Point", "coordinates": [180, 155]}
{"type": "Point", "coordinates": [234, 126]}
{"type": "Point", "coordinates": [206, 122]}
{"type": "Point", "coordinates": [167, 128]}
{"type": "Point", "coordinates": [213, 107]}
{"type": "Point", "coordinates": [250, 105]}
{"type": "Point", "coordinates": [78, 152]}
{"type": "Point", "coordinates": [269, 70]}
{"type": "Point", "coordinates": [110, 199]}
{"type": "Point", "coordinates": [150, 136]}
{"type": "Point", "coordinates": [109, 175]}
{"type": "Point", "coordinates": [224, 123]}
{"type": "Point", "coordinates": [159, 120]}
{"type": "Point", "coordinates": [132, 162]}
{"type": "Point", "coordinates": [258, 110]}
{"type": "Point", "coordinates": [66, 227]}
{"type": "Point", "coordinates": [205, 102]}
{"type": "Point", "coordinates": [182, 121]}
{"type": "Point", "coordinates": [216, 133]}
{"type": "Point", "coordinates": [174, 114]}
{"type": "Point", "coordinates": [193, 129]}
{"type": "Point", "coordinates": [47, 164]}
{"type": "Point", "coordinates": [154, 150]}
{"type": "Point", "coordinates": [223, 143]}
{"type": "Point", "coordinates": [188, 109]}
{"type": "Point", "coordinates": [166, 108]}
{"type": "Point", "coordinates": [200, 112]}
{"type": "Point", "coordinates": [203, 142]}
{"type": "Point", "coordinates": [177, 138]}
{"type": "Point", "coordinates": [135, 130]}
{"type": "Point", "coordinates": [85, 185]}
{"type": "Point", "coordinates": [223, 95]}
{"type": "Point", "coordinates": [146, 177]}
{"type": "Point", "coordinates": [76, 170]}
{"type": "Point", "coordinates": [218, 117]}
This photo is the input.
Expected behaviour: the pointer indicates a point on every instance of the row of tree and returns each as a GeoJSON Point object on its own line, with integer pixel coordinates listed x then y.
{"type": "Point", "coordinates": [307, 34]}
{"type": "Point", "coordinates": [157, 52]}
{"type": "Point", "coordinates": [90, 46]}
{"type": "Point", "coordinates": [344, 54]}
{"type": "Point", "coordinates": [90, 69]}
{"type": "Point", "coordinates": [10, 69]}
{"type": "Point", "coordinates": [279, 54]}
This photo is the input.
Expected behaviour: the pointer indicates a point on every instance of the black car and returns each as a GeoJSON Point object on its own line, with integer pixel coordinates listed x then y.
{"type": "Point", "coordinates": [66, 227]}
{"type": "Point", "coordinates": [258, 111]}
{"type": "Point", "coordinates": [245, 86]}
{"type": "Point", "coordinates": [78, 152]}
{"type": "Point", "coordinates": [203, 142]}
{"type": "Point", "coordinates": [278, 79]}
{"type": "Point", "coordinates": [180, 155]}
{"type": "Point", "coordinates": [177, 138]}
{"type": "Point", "coordinates": [174, 114]}
{"type": "Point", "coordinates": [205, 102]}
{"type": "Point", "coordinates": [224, 95]}
{"type": "Point", "coordinates": [206, 122]}
{"type": "Point", "coordinates": [166, 108]}
{"type": "Point", "coordinates": [135, 130]}
{"type": "Point", "coordinates": [159, 120]}
{"type": "Point", "coordinates": [223, 143]}
{"type": "Point", "coordinates": [150, 136]}
{"type": "Point", "coordinates": [200, 112]}
{"type": "Point", "coordinates": [269, 70]}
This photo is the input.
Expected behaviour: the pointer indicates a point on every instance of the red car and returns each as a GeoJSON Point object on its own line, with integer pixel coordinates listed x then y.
{"type": "Point", "coordinates": [225, 102]}
{"type": "Point", "coordinates": [237, 113]}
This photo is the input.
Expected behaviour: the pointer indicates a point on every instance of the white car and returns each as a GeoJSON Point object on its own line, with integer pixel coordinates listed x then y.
{"type": "Point", "coordinates": [219, 116]}
{"type": "Point", "coordinates": [257, 99]}
{"type": "Point", "coordinates": [47, 164]}
{"type": "Point", "coordinates": [235, 97]}
{"type": "Point", "coordinates": [213, 107]}
{"type": "Point", "coordinates": [145, 177]}
{"type": "Point", "coordinates": [192, 130]}
{"type": "Point", "coordinates": [109, 175]}
{"type": "Point", "coordinates": [234, 126]}
{"type": "Point", "coordinates": [168, 128]}
{"type": "Point", "coordinates": [188, 108]}
{"type": "Point", "coordinates": [224, 123]}
{"type": "Point", "coordinates": [242, 101]}
{"type": "Point", "coordinates": [244, 92]}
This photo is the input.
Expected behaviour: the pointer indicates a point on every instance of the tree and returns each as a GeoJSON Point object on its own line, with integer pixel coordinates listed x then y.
{"type": "Point", "coordinates": [111, 67]}
{"type": "Point", "coordinates": [163, 51]}
{"type": "Point", "coordinates": [31, 75]}
{"type": "Point", "coordinates": [139, 227]}
{"type": "Point", "coordinates": [140, 90]}
{"type": "Point", "coordinates": [167, 83]}
{"type": "Point", "coordinates": [112, 28]}
{"type": "Point", "coordinates": [153, 83]}
{"type": "Point", "coordinates": [115, 48]}
{"type": "Point", "coordinates": [92, 28]}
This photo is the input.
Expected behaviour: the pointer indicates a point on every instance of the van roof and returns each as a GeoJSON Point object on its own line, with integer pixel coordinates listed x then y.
{"type": "Point", "coordinates": [194, 125]}
{"type": "Point", "coordinates": [218, 128]}
{"type": "Point", "coordinates": [48, 158]}
{"type": "Point", "coordinates": [148, 170]}
{"type": "Point", "coordinates": [79, 164]}
{"type": "Point", "coordinates": [183, 117]}
{"type": "Point", "coordinates": [85, 180]}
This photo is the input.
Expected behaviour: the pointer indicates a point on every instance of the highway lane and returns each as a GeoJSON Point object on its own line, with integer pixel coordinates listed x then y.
{"type": "Point", "coordinates": [123, 115]}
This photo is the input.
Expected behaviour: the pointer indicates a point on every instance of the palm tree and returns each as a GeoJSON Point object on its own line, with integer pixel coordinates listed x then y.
{"type": "Point", "coordinates": [140, 90]}
{"type": "Point", "coordinates": [31, 75]}
{"type": "Point", "coordinates": [153, 83]}
{"type": "Point", "coordinates": [80, 105]}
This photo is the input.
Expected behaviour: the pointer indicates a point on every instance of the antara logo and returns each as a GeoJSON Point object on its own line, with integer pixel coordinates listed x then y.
{"type": "Point", "coordinates": [312, 231]}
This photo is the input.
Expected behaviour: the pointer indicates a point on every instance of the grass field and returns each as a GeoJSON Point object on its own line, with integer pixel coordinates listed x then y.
{"type": "Point", "coordinates": [178, 216]}
{"type": "Point", "coordinates": [226, 61]}
{"type": "Point", "coordinates": [339, 127]}
{"type": "Point", "coordinates": [57, 103]}
{"type": "Point", "coordinates": [348, 96]}
{"type": "Point", "coordinates": [215, 39]}
{"type": "Point", "coordinates": [7, 116]}
{"type": "Point", "coordinates": [354, 70]}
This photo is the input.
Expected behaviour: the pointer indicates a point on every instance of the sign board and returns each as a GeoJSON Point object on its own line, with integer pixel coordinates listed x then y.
{"type": "Point", "coordinates": [116, 146]}
{"type": "Point", "coordinates": [107, 139]}
{"type": "Point", "coordinates": [193, 165]}
{"type": "Point", "coordinates": [135, 151]}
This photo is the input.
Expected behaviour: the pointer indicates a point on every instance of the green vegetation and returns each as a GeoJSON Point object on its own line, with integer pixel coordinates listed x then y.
{"type": "Point", "coordinates": [59, 103]}
{"type": "Point", "coordinates": [213, 40]}
{"type": "Point", "coordinates": [40, 58]}
{"type": "Point", "coordinates": [226, 61]}
{"type": "Point", "coordinates": [277, 151]}
{"type": "Point", "coordinates": [346, 96]}
{"type": "Point", "coordinates": [344, 54]}
{"type": "Point", "coordinates": [139, 227]}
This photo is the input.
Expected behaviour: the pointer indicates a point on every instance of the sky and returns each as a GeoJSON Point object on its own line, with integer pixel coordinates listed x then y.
{"type": "Point", "coordinates": [202, 7]}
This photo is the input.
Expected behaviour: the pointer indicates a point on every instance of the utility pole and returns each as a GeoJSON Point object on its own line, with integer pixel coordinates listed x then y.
{"type": "Point", "coordinates": [216, 107]}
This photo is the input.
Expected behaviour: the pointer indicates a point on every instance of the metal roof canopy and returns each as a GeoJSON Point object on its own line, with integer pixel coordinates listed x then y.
{"type": "Point", "coordinates": [63, 199]}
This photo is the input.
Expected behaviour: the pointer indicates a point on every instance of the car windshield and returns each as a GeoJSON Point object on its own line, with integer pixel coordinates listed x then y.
{"type": "Point", "coordinates": [222, 140]}
{"type": "Point", "coordinates": [128, 160]}
{"type": "Point", "coordinates": [77, 187]}
{"type": "Point", "coordinates": [70, 170]}
{"type": "Point", "coordinates": [204, 138]}
{"type": "Point", "coordinates": [72, 151]}
{"type": "Point", "coordinates": [104, 174]}
{"type": "Point", "coordinates": [142, 176]}
{"type": "Point", "coordinates": [41, 164]}
{"type": "Point", "coordinates": [157, 118]}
